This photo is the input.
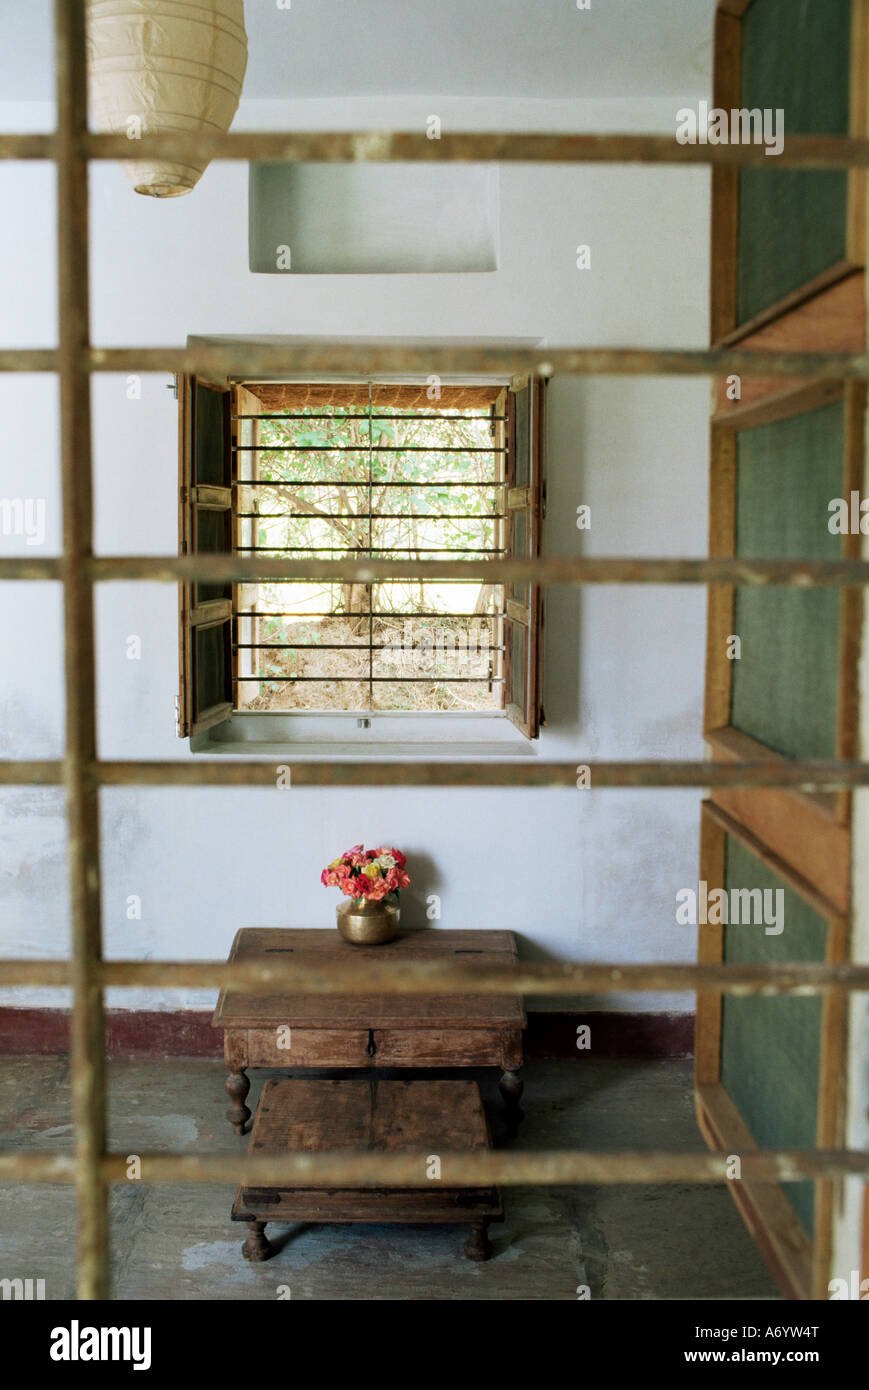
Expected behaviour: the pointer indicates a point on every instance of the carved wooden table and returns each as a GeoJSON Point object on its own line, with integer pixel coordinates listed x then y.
{"type": "Point", "coordinates": [431, 1117]}
{"type": "Point", "coordinates": [330, 1030]}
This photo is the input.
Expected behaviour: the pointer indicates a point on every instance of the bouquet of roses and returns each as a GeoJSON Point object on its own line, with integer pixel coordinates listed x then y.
{"type": "Point", "coordinates": [374, 874]}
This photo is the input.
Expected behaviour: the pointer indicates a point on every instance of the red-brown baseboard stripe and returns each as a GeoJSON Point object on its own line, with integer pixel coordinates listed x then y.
{"type": "Point", "coordinates": [552, 1035]}
{"type": "Point", "coordinates": [188, 1033]}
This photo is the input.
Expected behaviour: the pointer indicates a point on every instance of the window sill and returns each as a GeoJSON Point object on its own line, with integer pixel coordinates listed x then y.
{"type": "Point", "coordinates": [406, 738]}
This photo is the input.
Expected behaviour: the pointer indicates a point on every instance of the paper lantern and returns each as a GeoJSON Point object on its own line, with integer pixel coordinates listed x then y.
{"type": "Point", "coordinates": [160, 66]}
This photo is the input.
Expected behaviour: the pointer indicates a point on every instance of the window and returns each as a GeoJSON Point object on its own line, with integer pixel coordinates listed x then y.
{"type": "Point", "coordinates": [354, 471]}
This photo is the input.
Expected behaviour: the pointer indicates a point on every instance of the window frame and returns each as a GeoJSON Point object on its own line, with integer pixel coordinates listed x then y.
{"type": "Point", "coordinates": [220, 727]}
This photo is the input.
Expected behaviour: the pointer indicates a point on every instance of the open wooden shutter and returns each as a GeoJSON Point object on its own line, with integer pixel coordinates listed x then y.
{"type": "Point", "coordinates": [205, 528]}
{"type": "Point", "coordinates": [523, 602]}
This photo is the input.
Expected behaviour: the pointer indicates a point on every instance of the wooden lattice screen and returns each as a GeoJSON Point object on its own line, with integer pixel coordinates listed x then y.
{"type": "Point", "coordinates": [91, 1167]}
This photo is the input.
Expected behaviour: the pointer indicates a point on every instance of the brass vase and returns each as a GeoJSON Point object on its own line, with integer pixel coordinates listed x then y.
{"type": "Point", "coordinates": [366, 923]}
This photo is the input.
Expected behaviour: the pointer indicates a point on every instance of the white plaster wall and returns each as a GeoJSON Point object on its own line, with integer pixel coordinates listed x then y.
{"type": "Point", "coordinates": [579, 875]}
{"type": "Point", "coordinates": [849, 1240]}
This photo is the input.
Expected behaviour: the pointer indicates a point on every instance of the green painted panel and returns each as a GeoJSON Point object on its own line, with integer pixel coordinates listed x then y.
{"type": "Point", "coordinates": [795, 57]}
{"type": "Point", "coordinates": [213, 676]}
{"type": "Point", "coordinates": [211, 456]}
{"type": "Point", "coordinates": [523, 436]}
{"type": "Point", "coordinates": [517, 689]}
{"type": "Point", "coordinates": [786, 680]}
{"type": "Point", "coordinates": [771, 1048]}
{"type": "Point", "coordinates": [213, 537]}
{"type": "Point", "coordinates": [519, 589]}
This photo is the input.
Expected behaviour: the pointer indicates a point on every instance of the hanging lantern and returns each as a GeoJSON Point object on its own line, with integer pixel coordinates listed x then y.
{"type": "Point", "coordinates": [160, 66]}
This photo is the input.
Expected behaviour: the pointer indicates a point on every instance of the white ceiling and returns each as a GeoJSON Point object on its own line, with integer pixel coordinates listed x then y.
{"type": "Point", "coordinates": [482, 48]}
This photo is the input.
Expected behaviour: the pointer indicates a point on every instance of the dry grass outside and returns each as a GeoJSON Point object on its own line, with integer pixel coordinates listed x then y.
{"type": "Point", "coordinates": [423, 655]}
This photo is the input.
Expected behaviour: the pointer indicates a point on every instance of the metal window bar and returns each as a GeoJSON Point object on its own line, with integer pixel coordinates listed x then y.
{"type": "Point", "coordinates": [387, 549]}
{"type": "Point", "coordinates": [379, 516]}
{"type": "Point", "coordinates": [325, 646]}
{"type": "Point", "coordinates": [90, 1168]}
{"type": "Point", "coordinates": [360, 483]}
{"type": "Point", "coordinates": [352, 449]}
{"type": "Point", "coordinates": [369, 679]}
{"type": "Point", "coordinates": [369, 591]}
{"type": "Point", "coordinates": [375, 415]}
{"type": "Point", "coordinates": [385, 615]}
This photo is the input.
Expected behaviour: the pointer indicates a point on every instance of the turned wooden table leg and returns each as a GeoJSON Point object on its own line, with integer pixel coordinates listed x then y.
{"type": "Point", "coordinates": [256, 1247]}
{"type": "Point", "coordinates": [478, 1246]}
{"type": "Point", "coordinates": [511, 1087]}
{"type": "Point", "coordinates": [237, 1087]}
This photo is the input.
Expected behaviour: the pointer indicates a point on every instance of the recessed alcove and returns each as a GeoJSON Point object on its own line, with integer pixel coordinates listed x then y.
{"type": "Point", "coordinates": [378, 219]}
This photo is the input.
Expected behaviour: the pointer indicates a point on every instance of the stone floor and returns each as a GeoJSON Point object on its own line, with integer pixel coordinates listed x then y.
{"type": "Point", "coordinates": [629, 1242]}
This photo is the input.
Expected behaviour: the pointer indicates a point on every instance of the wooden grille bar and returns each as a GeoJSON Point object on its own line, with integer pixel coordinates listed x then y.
{"type": "Point", "coordinates": [384, 146]}
{"type": "Point", "coordinates": [805, 776]}
{"type": "Point", "coordinates": [579, 569]}
{"type": "Point", "coordinates": [90, 1168]}
{"type": "Point", "coordinates": [540, 1168]}
{"type": "Point", "coordinates": [88, 1032]}
{"type": "Point", "coordinates": [243, 359]}
{"type": "Point", "coordinates": [432, 977]}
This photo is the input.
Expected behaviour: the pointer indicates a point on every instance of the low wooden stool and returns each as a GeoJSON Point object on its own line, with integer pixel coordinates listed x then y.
{"type": "Point", "coordinates": [432, 1117]}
